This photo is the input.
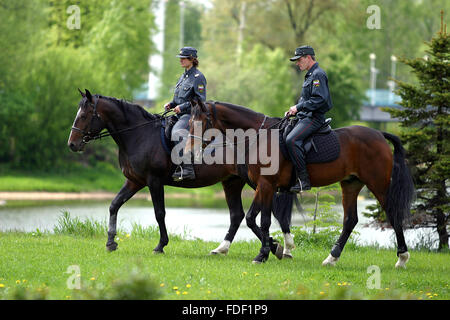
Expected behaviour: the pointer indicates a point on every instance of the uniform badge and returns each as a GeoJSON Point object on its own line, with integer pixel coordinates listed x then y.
{"type": "Point", "coordinates": [201, 88]}
{"type": "Point", "coordinates": [316, 83]}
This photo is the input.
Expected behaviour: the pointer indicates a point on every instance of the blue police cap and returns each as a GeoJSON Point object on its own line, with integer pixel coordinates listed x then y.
{"type": "Point", "coordinates": [302, 51]}
{"type": "Point", "coordinates": [187, 52]}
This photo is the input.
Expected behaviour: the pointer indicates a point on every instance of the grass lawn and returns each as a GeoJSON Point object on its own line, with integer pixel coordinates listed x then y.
{"type": "Point", "coordinates": [35, 265]}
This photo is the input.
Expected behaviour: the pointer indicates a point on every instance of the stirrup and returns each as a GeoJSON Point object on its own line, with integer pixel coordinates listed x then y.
{"type": "Point", "coordinates": [175, 176]}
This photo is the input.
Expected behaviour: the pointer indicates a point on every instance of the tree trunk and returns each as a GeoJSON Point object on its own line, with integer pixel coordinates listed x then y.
{"type": "Point", "coordinates": [442, 230]}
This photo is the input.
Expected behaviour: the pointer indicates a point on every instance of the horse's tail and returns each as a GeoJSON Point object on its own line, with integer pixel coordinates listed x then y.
{"type": "Point", "coordinates": [401, 191]}
{"type": "Point", "coordinates": [282, 209]}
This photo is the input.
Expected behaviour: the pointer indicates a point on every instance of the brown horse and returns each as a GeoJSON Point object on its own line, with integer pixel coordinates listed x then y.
{"type": "Point", "coordinates": [145, 163]}
{"type": "Point", "coordinates": [365, 159]}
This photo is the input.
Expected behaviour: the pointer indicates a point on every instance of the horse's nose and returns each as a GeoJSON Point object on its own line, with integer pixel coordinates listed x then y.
{"type": "Point", "coordinates": [73, 147]}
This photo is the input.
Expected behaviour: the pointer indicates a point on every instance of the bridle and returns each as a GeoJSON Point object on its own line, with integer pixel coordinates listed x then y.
{"type": "Point", "coordinates": [88, 136]}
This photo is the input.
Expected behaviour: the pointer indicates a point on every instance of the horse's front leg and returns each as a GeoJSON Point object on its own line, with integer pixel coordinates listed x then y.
{"type": "Point", "coordinates": [127, 191]}
{"type": "Point", "coordinates": [157, 192]}
{"type": "Point", "coordinates": [233, 189]}
{"type": "Point", "coordinates": [263, 202]}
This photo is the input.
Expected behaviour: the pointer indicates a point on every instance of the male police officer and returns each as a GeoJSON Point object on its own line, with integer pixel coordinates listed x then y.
{"type": "Point", "coordinates": [315, 100]}
{"type": "Point", "coordinates": [191, 83]}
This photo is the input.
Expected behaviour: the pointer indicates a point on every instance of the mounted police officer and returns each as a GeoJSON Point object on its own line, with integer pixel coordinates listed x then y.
{"type": "Point", "coordinates": [191, 83]}
{"type": "Point", "coordinates": [314, 102]}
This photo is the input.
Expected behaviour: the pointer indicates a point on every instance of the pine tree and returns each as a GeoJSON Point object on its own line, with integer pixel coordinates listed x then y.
{"type": "Point", "coordinates": [425, 126]}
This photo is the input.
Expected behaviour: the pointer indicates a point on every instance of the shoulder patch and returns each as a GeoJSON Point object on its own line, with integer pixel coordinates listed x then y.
{"type": "Point", "coordinates": [201, 88]}
{"type": "Point", "coordinates": [316, 83]}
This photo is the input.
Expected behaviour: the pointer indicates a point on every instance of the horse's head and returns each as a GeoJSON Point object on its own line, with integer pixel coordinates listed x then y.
{"type": "Point", "coordinates": [201, 120]}
{"type": "Point", "coordinates": [87, 123]}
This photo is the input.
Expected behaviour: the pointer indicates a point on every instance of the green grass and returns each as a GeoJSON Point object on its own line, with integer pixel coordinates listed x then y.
{"type": "Point", "coordinates": [34, 265]}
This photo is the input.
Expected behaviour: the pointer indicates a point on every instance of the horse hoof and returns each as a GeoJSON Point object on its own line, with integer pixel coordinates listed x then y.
{"type": "Point", "coordinates": [111, 247]}
{"type": "Point", "coordinates": [222, 248]}
{"type": "Point", "coordinates": [158, 251]}
{"type": "Point", "coordinates": [216, 252]}
{"type": "Point", "coordinates": [260, 258]}
{"type": "Point", "coordinates": [330, 261]}
{"type": "Point", "coordinates": [402, 260]}
{"type": "Point", "coordinates": [287, 256]}
{"type": "Point", "coordinates": [279, 252]}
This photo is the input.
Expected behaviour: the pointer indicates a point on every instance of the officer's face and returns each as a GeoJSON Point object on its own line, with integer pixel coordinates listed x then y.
{"type": "Point", "coordinates": [302, 63]}
{"type": "Point", "coordinates": [185, 63]}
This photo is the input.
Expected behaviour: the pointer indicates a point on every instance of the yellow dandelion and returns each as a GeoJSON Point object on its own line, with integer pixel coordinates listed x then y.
{"type": "Point", "coordinates": [185, 292]}
{"type": "Point", "coordinates": [175, 288]}
{"type": "Point", "coordinates": [244, 273]}
{"type": "Point", "coordinates": [327, 284]}
{"type": "Point", "coordinates": [188, 285]}
{"type": "Point", "coordinates": [17, 281]}
{"type": "Point", "coordinates": [2, 285]}
{"type": "Point", "coordinates": [24, 281]}
{"type": "Point", "coordinates": [162, 285]}
{"type": "Point", "coordinates": [339, 284]}
{"type": "Point", "coordinates": [209, 291]}
{"type": "Point", "coordinates": [178, 292]}
{"type": "Point", "coordinates": [67, 297]}
{"type": "Point", "coordinates": [256, 274]}
{"type": "Point", "coordinates": [127, 235]}
{"type": "Point", "coordinates": [435, 294]}
{"type": "Point", "coordinates": [321, 293]}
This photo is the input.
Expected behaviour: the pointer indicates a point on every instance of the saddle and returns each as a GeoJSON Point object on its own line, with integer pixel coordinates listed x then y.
{"type": "Point", "coordinates": [322, 146]}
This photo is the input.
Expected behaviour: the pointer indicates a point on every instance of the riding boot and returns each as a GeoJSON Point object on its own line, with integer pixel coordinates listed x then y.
{"type": "Point", "coordinates": [184, 172]}
{"type": "Point", "coordinates": [303, 183]}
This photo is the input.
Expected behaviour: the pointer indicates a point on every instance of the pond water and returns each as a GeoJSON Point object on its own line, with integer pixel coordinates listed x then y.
{"type": "Point", "coordinates": [204, 223]}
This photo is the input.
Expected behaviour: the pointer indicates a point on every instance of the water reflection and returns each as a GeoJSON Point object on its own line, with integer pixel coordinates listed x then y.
{"type": "Point", "coordinates": [204, 223]}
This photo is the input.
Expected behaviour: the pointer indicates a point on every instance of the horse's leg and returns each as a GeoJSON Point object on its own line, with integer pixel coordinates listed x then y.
{"type": "Point", "coordinates": [379, 192]}
{"type": "Point", "coordinates": [350, 191]}
{"type": "Point", "coordinates": [157, 192]}
{"type": "Point", "coordinates": [263, 202]}
{"type": "Point", "coordinates": [233, 190]}
{"type": "Point", "coordinates": [128, 190]}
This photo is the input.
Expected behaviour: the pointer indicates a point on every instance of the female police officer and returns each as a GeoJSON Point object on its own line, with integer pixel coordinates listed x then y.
{"type": "Point", "coordinates": [191, 83]}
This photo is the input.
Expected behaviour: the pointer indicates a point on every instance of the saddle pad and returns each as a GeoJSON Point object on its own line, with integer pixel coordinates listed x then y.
{"type": "Point", "coordinates": [327, 146]}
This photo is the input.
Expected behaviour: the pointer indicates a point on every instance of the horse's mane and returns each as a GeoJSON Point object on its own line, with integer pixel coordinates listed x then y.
{"type": "Point", "coordinates": [246, 112]}
{"type": "Point", "coordinates": [129, 108]}
{"type": "Point", "coordinates": [241, 109]}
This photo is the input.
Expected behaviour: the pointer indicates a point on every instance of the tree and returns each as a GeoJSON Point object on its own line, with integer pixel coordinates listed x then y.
{"type": "Point", "coordinates": [42, 62]}
{"type": "Point", "coordinates": [425, 121]}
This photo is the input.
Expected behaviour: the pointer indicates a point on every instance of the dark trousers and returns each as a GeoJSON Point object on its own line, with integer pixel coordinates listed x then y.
{"type": "Point", "coordinates": [294, 141]}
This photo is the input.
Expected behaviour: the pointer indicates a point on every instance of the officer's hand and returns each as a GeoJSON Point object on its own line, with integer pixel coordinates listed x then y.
{"type": "Point", "coordinates": [177, 109]}
{"type": "Point", "coordinates": [292, 111]}
{"type": "Point", "coordinates": [167, 106]}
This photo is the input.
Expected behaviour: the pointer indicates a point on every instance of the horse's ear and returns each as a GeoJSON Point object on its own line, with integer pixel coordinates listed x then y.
{"type": "Point", "coordinates": [82, 94]}
{"type": "Point", "coordinates": [88, 95]}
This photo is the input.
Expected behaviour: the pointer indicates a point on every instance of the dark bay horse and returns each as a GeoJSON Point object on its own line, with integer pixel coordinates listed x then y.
{"type": "Point", "coordinates": [144, 162]}
{"type": "Point", "coordinates": [365, 159]}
